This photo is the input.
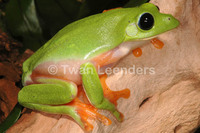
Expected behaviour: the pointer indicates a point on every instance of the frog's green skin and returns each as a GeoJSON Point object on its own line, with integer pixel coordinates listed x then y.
{"type": "Point", "coordinates": [77, 45]}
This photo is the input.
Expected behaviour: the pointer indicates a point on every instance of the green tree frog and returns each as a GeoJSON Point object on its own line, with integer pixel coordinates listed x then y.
{"type": "Point", "coordinates": [77, 53]}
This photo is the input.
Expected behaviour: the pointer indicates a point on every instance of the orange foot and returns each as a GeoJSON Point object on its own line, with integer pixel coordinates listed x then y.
{"type": "Point", "coordinates": [87, 112]}
{"type": "Point", "coordinates": [113, 96]}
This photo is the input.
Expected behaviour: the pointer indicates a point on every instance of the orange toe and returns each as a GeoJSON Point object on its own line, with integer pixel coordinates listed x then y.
{"type": "Point", "coordinates": [157, 43]}
{"type": "Point", "coordinates": [137, 52]}
{"type": "Point", "coordinates": [88, 112]}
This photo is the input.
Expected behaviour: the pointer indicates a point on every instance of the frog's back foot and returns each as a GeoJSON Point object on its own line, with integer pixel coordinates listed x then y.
{"type": "Point", "coordinates": [88, 113]}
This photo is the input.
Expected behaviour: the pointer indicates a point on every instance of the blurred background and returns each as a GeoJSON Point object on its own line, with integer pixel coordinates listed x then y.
{"type": "Point", "coordinates": [33, 22]}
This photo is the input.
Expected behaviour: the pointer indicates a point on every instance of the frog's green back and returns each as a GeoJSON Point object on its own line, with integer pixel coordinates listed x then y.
{"type": "Point", "coordinates": [91, 36]}
{"type": "Point", "coordinates": [83, 39]}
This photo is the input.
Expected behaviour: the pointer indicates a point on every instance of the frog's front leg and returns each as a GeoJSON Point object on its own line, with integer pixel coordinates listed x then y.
{"type": "Point", "coordinates": [94, 90]}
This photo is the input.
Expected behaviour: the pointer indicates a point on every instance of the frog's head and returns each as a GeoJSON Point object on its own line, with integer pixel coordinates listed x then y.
{"type": "Point", "coordinates": [149, 22]}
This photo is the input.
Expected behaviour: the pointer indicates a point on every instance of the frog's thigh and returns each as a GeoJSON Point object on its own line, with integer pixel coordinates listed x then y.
{"type": "Point", "coordinates": [94, 90]}
{"type": "Point", "coordinates": [50, 91]}
{"type": "Point", "coordinates": [43, 97]}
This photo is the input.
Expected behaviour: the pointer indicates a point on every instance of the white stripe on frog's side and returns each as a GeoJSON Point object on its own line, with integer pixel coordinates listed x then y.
{"type": "Point", "coordinates": [93, 51]}
{"type": "Point", "coordinates": [127, 47]}
{"type": "Point", "coordinates": [70, 69]}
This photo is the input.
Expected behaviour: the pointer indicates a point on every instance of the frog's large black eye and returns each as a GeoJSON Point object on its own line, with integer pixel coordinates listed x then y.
{"type": "Point", "coordinates": [146, 21]}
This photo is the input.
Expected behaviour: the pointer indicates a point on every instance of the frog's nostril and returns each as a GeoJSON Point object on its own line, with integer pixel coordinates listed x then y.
{"type": "Point", "coordinates": [169, 18]}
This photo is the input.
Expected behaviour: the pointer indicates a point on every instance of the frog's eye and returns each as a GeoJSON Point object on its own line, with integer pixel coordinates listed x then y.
{"type": "Point", "coordinates": [146, 21]}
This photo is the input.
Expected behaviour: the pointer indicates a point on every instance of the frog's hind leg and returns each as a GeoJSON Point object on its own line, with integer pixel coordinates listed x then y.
{"type": "Point", "coordinates": [49, 96]}
{"type": "Point", "coordinates": [58, 97]}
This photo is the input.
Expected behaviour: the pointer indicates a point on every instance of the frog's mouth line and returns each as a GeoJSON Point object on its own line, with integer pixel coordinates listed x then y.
{"type": "Point", "coordinates": [149, 38]}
